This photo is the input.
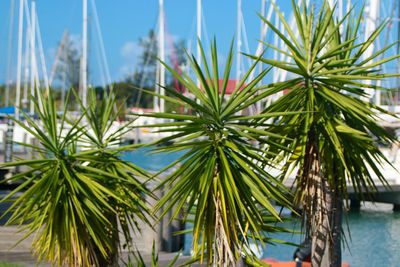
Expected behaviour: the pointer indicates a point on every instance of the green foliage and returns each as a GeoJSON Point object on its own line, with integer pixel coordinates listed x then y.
{"type": "Point", "coordinates": [328, 93]}
{"type": "Point", "coordinates": [72, 198]}
{"type": "Point", "coordinates": [127, 90]}
{"type": "Point", "coordinates": [221, 177]}
{"type": "Point", "coordinates": [333, 128]}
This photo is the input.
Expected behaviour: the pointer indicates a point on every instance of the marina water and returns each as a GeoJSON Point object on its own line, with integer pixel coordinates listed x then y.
{"type": "Point", "coordinates": [374, 239]}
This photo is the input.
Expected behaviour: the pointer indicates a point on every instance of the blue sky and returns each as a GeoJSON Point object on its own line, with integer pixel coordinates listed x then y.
{"type": "Point", "coordinates": [123, 22]}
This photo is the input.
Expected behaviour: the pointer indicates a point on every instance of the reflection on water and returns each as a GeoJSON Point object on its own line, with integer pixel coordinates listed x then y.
{"type": "Point", "coordinates": [374, 239]}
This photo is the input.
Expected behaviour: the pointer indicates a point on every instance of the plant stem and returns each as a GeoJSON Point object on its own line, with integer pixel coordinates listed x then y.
{"type": "Point", "coordinates": [317, 203]}
{"type": "Point", "coordinates": [223, 254]}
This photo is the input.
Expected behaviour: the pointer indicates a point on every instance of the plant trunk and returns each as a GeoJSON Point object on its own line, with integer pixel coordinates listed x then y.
{"type": "Point", "coordinates": [323, 210]}
{"type": "Point", "coordinates": [111, 259]}
{"type": "Point", "coordinates": [321, 233]}
{"type": "Point", "coordinates": [336, 219]}
{"type": "Point", "coordinates": [224, 254]}
{"type": "Point", "coordinates": [315, 195]}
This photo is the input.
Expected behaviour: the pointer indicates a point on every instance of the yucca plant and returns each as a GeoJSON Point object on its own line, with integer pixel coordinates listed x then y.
{"type": "Point", "coordinates": [102, 144]}
{"type": "Point", "coordinates": [72, 199]}
{"type": "Point", "coordinates": [334, 129]}
{"type": "Point", "coordinates": [221, 177]}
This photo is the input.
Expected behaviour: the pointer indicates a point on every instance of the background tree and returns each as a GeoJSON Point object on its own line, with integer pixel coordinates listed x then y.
{"type": "Point", "coordinates": [69, 64]}
{"type": "Point", "coordinates": [146, 72]}
{"type": "Point", "coordinates": [65, 72]}
{"type": "Point", "coordinates": [3, 94]}
{"type": "Point", "coordinates": [334, 128]}
{"type": "Point", "coordinates": [144, 76]}
{"type": "Point", "coordinates": [66, 68]}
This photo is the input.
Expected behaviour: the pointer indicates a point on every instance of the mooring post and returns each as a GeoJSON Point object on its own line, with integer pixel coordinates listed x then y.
{"type": "Point", "coordinates": [158, 228]}
{"type": "Point", "coordinates": [396, 207]}
{"type": "Point", "coordinates": [355, 205]}
{"type": "Point", "coordinates": [171, 242]}
{"type": "Point", "coordinates": [8, 141]}
{"type": "Point", "coordinates": [165, 228]}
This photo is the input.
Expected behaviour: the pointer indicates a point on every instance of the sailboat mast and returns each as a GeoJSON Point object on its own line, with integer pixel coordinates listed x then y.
{"type": "Point", "coordinates": [104, 62]}
{"type": "Point", "coordinates": [276, 71]}
{"type": "Point", "coordinates": [395, 94]}
{"type": "Point", "coordinates": [9, 51]}
{"type": "Point", "coordinates": [84, 54]}
{"type": "Point", "coordinates": [262, 37]}
{"type": "Point", "coordinates": [199, 20]}
{"type": "Point", "coordinates": [239, 39]}
{"type": "Point", "coordinates": [19, 57]}
{"type": "Point", "coordinates": [26, 67]}
{"type": "Point", "coordinates": [263, 26]}
{"type": "Point", "coordinates": [340, 10]}
{"type": "Point", "coordinates": [372, 10]}
{"type": "Point", "coordinates": [161, 51]}
{"type": "Point", "coordinates": [263, 32]}
{"type": "Point", "coordinates": [42, 58]}
{"type": "Point", "coordinates": [33, 54]}
{"type": "Point", "coordinates": [59, 55]}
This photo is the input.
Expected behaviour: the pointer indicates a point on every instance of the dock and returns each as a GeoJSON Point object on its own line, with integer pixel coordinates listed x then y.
{"type": "Point", "coordinates": [389, 194]}
{"type": "Point", "coordinates": [22, 254]}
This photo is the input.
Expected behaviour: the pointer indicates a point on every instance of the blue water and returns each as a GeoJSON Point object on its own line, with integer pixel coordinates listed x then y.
{"type": "Point", "coordinates": [374, 239]}
{"type": "Point", "coordinates": [149, 160]}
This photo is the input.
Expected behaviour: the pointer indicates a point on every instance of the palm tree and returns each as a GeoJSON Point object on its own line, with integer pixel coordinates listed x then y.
{"type": "Point", "coordinates": [73, 199]}
{"type": "Point", "coordinates": [334, 130]}
{"type": "Point", "coordinates": [220, 179]}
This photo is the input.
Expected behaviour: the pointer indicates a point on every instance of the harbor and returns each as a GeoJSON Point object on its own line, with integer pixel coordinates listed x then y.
{"type": "Point", "coordinates": [381, 251]}
{"type": "Point", "coordinates": [260, 134]}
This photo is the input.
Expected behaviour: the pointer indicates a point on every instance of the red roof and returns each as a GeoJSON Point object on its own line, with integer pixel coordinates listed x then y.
{"type": "Point", "coordinates": [230, 86]}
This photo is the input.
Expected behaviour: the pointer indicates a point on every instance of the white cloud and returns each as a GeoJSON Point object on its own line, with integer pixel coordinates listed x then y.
{"type": "Point", "coordinates": [125, 71]}
{"type": "Point", "coordinates": [130, 51]}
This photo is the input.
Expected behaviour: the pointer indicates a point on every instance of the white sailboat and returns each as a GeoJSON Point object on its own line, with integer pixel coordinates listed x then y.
{"type": "Point", "coordinates": [10, 133]}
